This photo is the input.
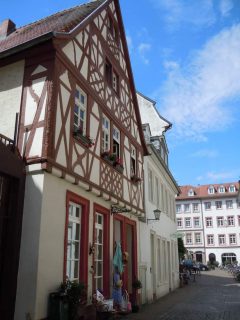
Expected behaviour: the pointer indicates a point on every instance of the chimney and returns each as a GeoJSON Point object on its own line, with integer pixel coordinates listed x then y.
{"type": "Point", "coordinates": [6, 27]}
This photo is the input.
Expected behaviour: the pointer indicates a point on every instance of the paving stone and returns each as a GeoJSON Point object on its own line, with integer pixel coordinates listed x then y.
{"type": "Point", "coordinates": [215, 295]}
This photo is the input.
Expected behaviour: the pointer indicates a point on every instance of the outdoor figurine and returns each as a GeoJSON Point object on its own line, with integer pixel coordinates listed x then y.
{"type": "Point", "coordinates": [117, 289]}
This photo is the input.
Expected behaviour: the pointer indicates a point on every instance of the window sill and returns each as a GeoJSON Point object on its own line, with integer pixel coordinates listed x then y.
{"type": "Point", "coordinates": [85, 141]}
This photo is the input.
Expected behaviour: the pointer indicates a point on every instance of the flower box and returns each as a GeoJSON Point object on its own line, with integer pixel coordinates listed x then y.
{"type": "Point", "coordinates": [119, 168]}
{"type": "Point", "coordinates": [83, 139]}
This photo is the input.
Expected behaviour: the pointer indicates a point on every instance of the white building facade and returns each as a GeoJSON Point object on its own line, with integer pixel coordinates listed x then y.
{"type": "Point", "coordinates": [208, 217]}
{"type": "Point", "coordinates": [158, 258]}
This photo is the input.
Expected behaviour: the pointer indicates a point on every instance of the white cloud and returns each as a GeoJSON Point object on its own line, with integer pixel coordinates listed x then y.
{"type": "Point", "coordinates": [221, 176]}
{"type": "Point", "coordinates": [196, 98]}
{"type": "Point", "coordinates": [205, 153]}
{"type": "Point", "coordinates": [178, 12]}
{"type": "Point", "coordinates": [143, 48]}
{"type": "Point", "coordinates": [225, 7]}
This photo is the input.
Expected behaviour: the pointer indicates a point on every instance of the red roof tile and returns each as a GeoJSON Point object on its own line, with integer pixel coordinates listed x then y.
{"type": "Point", "coordinates": [202, 191]}
{"type": "Point", "coordinates": [64, 21]}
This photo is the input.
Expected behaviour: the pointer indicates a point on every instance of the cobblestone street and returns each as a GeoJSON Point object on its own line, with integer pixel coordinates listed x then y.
{"type": "Point", "coordinates": [215, 295]}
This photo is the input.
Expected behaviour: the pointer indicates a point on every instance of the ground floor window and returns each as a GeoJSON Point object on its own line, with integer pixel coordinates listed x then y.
{"type": "Point", "coordinates": [76, 238]}
{"type": "Point", "coordinates": [228, 258]}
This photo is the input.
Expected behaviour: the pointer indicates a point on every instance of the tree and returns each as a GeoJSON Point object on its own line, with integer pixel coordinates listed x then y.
{"type": "Point", "coordinates": [181, 249]}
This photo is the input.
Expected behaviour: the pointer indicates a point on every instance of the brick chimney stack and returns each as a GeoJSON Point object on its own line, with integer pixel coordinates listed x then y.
{"type": "Point", "coordinates": [6, 27]}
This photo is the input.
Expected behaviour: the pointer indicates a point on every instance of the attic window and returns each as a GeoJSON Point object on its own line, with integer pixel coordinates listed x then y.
{"type": "Point", "coordinates": [211, 190]}
{"type": "Point", "coordinates": [190, 193]}
{"type": "Point", "coordinates": [111, 76]}
{"type": "Point", "coordinates": [112, 28]}
{"type": "Point", "coordinates": [232, 188]}
{"type": "Point", "coordinates": [221, 189]}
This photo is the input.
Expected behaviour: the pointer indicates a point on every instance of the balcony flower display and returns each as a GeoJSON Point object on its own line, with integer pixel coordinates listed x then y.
{"type": "Point", "coordinates": [84, 139]}
{"type": "Point", "coordinates": [113, 160]}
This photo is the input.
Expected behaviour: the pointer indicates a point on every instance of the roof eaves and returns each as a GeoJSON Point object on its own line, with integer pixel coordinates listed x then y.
{"type": "Point", "coordinates": [27, 44]}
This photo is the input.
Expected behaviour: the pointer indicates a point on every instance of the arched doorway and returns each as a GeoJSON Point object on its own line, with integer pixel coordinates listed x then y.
{"type": "Point", "coordinates": [199, 256]}
{"type": "Point", "coordinates": [228, 258]}
{"type": "Point", "coordinates": [212, 258]}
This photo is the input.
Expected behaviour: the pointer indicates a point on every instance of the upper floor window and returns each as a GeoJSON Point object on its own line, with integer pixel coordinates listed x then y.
{"type": "Point", "coordinates": [220, 222]}
{"type": "Point", "coordinates": [211, 190]}
{"type": "Point", "coordinates": [190, 193]}
{"type": "Point", "coordinates": [179, 223]}
{"type": "Point", "coordinates": [229, 204]}
{"type": "Point", "coordinates": [209, 222]}
{"type": "Point", "coordinates": [187, 207]}
{"type": "Point", "coordinates": [105, 134]}
{"type": "Point", "coordinates": [150, 185]}
{"type": "Point", "coordinates": [116, 141]}
{"type": "Point", "coordinates": [196, 222]}
{"type": "Point", "coordinates": [221, 189]}
{"type": "Point", "coordinates": [80, 108]}
{"type": "Point", "coordinates": [198, 238]}
{"type": "Point", "coordinates": [207, 205]}
{"type": "Point", "coordinates": [210, 239]}
{"type": "Point", "coordinates": [232, 239]}
{"type": "Point", "coordinates": [218, 204]}
{"type": "Point", "coordinates": [230, 220]}
{"type": "Point", "coordinates": [232, 188]}
{"type": "Point", "coordinates": [188, 222]}
{"type": "Point", "coordinates": [188, 238]}
{"type": "Point", "coordinates": [111, 76]}
{"type": "Point", "coordinates": [195, 207]}
{"type": "Point", "coordinates": [178, 208]}
{"type": "Point", "coordinates": [133, 167]}
{"type": "Point", "coordinates": [221, 239]}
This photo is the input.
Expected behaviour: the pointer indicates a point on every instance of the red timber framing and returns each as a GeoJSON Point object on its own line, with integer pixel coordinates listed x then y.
{"type": "Point", "coordinates": [128, 244]}
{"type": "Point", "coordinates": [106, 246]}
{"type": "Point", "coordinates": [84, 203]}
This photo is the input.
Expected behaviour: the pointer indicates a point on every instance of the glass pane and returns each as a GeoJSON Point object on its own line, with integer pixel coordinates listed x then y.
{"type": "Point", "coordinates": [76, 108]}
{"type": "Point", "coordinates": [76, 269]}
{"type": "Point", "coordinates": [100, 236]}
{"type": "Point", "coordinates": [77, 234]}
{"type": "Point", "coordinates": [77, 212]}
{"type": "Point", "coordinates": [99, 219]}
{"type": "Point", "coordinates": [76, 250]}
{"type": "Point", "coordinates": [70, 230]}
{"type": "Point", "coordinates": [99, 283]}
{"type": "Point", "coordinates": [82, 99]}
{"type": "Point", "coordinates": [100, 255]}
{"type": "Point", "coordinates": [70, 210]}
{"type": "Point", "coordinates": [69, 250]}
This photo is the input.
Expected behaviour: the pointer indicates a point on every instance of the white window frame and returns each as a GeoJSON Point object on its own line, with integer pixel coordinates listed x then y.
{"type": "Point", "coordinates": [211, 190]}
{"type": "Point", "coordinates": [74, 240]}
{"type": "Point", "coordinates": [207, 205]}
{"type": "Point", "coordinates": [232, 188]}
{"type": "Point", "coordinates": [188, 223]}
{"type": "Point", "coordinates": [221, 189]}
{"type": "Point", "coordinates": [195, 207]}
{"type": "Point", "coordinates": [133, 164]}
{"type": "Point", "coordinates": [116, 137]}
{"type": "Point", "coordinates": [232, 239]}
{"type": "Point", "coordinates": [105, 133]}
{"type": "Point", "coordinates": [210, 239]}
{"type": "Point", "coordinates": [198, 238]}
{"type": "Point", "coordinates": [98, 277]}
{"type": "Point", "coordinates": [230, 221]}
{"type": "Point", "coordinates": [209, 222]}
{"type": "Point", "coordinates": [186, 207]}
{"type": "Point", "coordinates": [80, 110]}
{"type": "Point", "coordinates": [194, 222]}
{"type": "Point", "coordinates": [218, 204]}
{"type": "Point", "coordinates": [178, 208]}
{"type": "Point", "coordinates": [188, 238]}
{"type": "Point", "coordinates": [229, 204]}
{"type": "Point", "coordinates": [221, 239]}
{"type": "Point", "coordinates": [179, 223]}
{"type": "Point", "coordinates": [220, 222]}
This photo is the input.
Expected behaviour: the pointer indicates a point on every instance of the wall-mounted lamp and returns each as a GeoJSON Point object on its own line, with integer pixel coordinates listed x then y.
{"type": "Point", "coordinates": [157, 213]}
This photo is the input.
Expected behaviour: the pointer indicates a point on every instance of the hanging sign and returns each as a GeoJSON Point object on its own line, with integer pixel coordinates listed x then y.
{"type": "Point", "coordinates": [116, 209]}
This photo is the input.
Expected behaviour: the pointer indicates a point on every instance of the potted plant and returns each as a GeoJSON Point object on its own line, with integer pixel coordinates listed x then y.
{"type": "Point", "coordinates": [136, 284]}
{"type": "Point", "coordinates": [75, 293]}
{"type": "Point", "coordinates": [119, 164]}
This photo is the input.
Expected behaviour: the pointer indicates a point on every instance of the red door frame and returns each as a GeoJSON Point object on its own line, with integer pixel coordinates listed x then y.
{"type": "Point", "coordinates": [124, 222]}
{"type": "Point", "coordinates": [106, 260]}
{"type": "Point", "coordinates": [83, 269]}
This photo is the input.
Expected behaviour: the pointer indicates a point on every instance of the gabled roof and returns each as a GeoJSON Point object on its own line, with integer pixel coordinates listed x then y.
{"type": "Point", "coordinates": [64, 21]}
{"type": "Point", "coordinates": [150, 115]}
{"type": "Point", "coordinates": [201, 191]}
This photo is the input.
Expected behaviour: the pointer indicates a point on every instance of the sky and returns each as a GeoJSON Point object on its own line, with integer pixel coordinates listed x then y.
{"type": "Point", "coordinates": [185, 55]}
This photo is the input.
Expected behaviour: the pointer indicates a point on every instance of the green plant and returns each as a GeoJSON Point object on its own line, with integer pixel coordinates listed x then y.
{"type": "Point", "coordinates": [137, 284]}
{"type": "Point", "coordinates": [75, 293]}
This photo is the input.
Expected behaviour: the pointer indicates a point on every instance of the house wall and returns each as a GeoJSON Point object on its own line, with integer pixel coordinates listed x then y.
{"type": "Point", "coordinates": [42, 263]}
{"type": "Point", "coordinates": [11, 80]}
{"type": "Point", "coordinates": [159, 272]}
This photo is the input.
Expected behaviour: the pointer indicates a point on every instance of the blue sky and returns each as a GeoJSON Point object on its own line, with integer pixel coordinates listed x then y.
{"type": "Point", "coordinates": [185, 55]}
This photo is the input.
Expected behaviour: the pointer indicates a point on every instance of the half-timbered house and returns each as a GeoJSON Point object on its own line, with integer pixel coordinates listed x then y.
{"type": "Point", "coordinates": [69, 76]}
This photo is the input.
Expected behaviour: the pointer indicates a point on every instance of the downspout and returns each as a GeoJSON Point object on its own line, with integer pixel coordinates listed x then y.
{"type": "Point", "coordinates": [203, 231]}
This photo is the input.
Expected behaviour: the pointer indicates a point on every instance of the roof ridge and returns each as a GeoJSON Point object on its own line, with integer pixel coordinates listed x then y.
{"type": "Point", "coordinates": [55, 14]}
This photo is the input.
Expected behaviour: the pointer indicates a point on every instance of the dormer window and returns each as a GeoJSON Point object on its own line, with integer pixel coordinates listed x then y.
{"type": "Point", "coordinates": [211, 190]}
{"type": "Point", "coordinates": [232, 188]}
{"type": "Point", "coordinates": [190, 193]}
{"type": "Point", "coordinates": [221, 189]}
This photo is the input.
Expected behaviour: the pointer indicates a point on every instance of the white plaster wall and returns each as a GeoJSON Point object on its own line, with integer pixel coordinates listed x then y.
{"type": "Point", "coordinates": [11, 79]}
{"type": "Point", "coordinates": [163, 229]}
{"type": "Point", "coordinates": [45, 255]}
{"type": "Point", "coordinates": [28, 264]}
